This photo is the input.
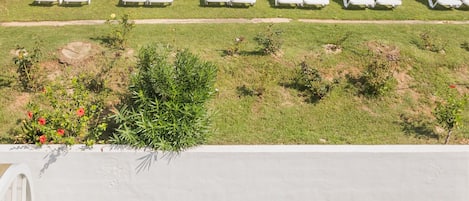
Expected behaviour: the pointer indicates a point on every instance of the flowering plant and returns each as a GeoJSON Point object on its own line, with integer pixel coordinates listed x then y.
{"type": "Point", "coordinates": [67, 116]}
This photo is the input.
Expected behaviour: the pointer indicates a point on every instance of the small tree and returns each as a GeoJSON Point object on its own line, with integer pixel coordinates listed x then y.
{"type": "Point", "coordinates": [120, 31]}
{"type": "Point", "coordinates": [269, 41]}
{"type": "Point", "coordinates": [448, 112]}
{"type": "Point", "coordinates": [167, 109]}
{"type": "Point", "coordinates": [377, 79]}
{"type": "Point", "coordinates": [311, 80]}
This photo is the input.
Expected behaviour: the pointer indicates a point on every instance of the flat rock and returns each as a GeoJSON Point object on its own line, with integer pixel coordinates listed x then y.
{"type": "Point", "coordinates": [76, 52]}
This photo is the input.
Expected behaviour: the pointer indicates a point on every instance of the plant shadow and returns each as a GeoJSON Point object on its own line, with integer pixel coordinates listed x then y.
{"type": "Point", "coordinates": [417, 126]}
{"type": "Point", "coordinates": [146, 161]}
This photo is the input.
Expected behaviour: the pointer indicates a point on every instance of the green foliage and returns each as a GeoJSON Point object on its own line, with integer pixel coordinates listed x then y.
{"type": "Point", "coordinates": [167, 108]}
{"type": "Point", "coordinates": [310, 79]}
{"type": "Point", "coordinates": [270, 41]}
{"type": "Point", "coordinates": [465, 46]}
{"type": "Point", "coordinates": [377, 79]}
{"type": "Point", "coordinates": [120, 31]}
{"type": "Point", "coordinates": [448, 111]}
{"type": "Point", "coordinates": [431, 43]}
{"type": "Point", "coordinates": [27, 67]}
{"type": "Point", "coordinates": [236, 47]}
{"type": "Point", "coordinates": [66, 116]}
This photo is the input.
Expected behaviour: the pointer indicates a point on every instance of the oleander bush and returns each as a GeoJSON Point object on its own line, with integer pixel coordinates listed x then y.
{"type": "Point", "coordinates": [167, 108]}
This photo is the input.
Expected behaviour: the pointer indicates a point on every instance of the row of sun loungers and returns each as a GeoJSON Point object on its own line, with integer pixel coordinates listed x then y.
{"type": "Point", "coordinates": [317, 3]}
{"type": "Point", "coordinates": [62, 1]}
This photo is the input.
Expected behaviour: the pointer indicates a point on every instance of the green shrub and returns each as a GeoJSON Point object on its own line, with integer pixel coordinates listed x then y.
{"type": "Point", "coordinates": [465, 46]}
{"type": "Point", "coordinates": [448, 111]}
{"type": "Point", "coordinates": [65, 116]}
{"type": "Point", "coordinates": [311, 80]}
{"type": "Point", "coordinates": [166, 110]}
{"type": "Point", "coordinates": [431, 43]}
{"type": "Point", "coordinates": [120, 31]}
{"type": "Point", "coordinates": [270, 41]}
{"type": "Point", "coordinates": [377, 79]}
{"type": "Point", "coordinates": [27, 67]}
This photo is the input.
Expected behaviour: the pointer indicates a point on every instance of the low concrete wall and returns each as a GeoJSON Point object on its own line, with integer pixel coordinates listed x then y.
{"type": "Point", "coordinates": [247, 173]}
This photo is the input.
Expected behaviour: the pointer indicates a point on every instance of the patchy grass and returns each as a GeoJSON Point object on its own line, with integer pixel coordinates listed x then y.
{"type": "Point", "coordinates": [276, 112]}
{"type": "Point", "coordinates": [21, 10]}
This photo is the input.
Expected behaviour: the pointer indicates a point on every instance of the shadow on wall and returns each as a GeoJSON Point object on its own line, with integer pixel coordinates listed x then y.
{"type": "Point", "coordinates": [146, 161]}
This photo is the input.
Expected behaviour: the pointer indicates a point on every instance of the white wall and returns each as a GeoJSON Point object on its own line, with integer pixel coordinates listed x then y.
{"type": "Point", "coordinates": [247, 173]}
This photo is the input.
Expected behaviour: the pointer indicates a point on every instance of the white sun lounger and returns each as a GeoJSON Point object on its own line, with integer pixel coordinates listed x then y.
{"type": "Point", "coordinates": [321, 3]}
{"type": "Point", "coordinates": [250, 2]}
{"type": "Point", "coordinates": [392, 3]}
{"type": "Point", "coordinates": [366, 3]}
{"type": "Point", "coordinates": [45, 1]}
{"type": "Point", "coordinates": [445, 3]}
{"type": "Point", "coordinates": [227, 2]}
{"type": "Point", "coordinates": [149, 2]}
{"type": "Point", "coordinates": [297, 2]}
{"type": "Point", "coordinates": [124, 2]}
{"type": "Point", "coordinates": [75, 1]}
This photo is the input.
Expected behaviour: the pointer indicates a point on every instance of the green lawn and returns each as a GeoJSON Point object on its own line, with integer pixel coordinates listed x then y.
{"type": "Point", "coordinates": [23, 10]}
{"type": "Point", "coordinates": [281, 115]}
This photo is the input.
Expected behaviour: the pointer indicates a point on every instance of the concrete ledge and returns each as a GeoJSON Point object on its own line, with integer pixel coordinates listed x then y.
{"type": "Point", "coordinates": [245, 173]}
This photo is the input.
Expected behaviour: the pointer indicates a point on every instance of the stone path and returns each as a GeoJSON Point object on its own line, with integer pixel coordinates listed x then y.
{"type": "Point", "coordinates": [228, 20]}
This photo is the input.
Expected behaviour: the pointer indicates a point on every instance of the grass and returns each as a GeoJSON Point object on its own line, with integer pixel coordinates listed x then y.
{"type": "Point", "coordinates": [281, 115]}
{"type": "Point", "coordinates": [24, 10]}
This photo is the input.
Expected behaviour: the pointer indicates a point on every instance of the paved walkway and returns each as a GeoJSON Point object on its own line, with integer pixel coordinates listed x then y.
{"type": "Point", "coordinates": [229, 20]}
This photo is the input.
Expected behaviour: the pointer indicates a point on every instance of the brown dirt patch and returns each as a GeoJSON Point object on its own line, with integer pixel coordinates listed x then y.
{"type": "Point", "coordinates": [332, 49]}
{"type": "Point", "coordinates": [390, 52]}
{"type": "Point", "coordinates": [19, 102]}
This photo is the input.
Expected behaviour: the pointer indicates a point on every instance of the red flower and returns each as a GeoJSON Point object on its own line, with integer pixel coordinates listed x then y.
{"type": "Point", "coordinates": [80, 112]}
{"type": "Point", "coordinates": [41, 121]}
{"type": "Point", "coordinates": [30, 115]}
{"type": "Point", "coordinates": [60, 132]}
{"type": "Point", "coordinates": [42, 139]}
{"type": "Point", "coordinates": [452, 86]}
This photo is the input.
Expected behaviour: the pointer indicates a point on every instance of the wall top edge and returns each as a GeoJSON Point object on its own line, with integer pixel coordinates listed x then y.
{"type": "Point", "coordinates": [106, 148]}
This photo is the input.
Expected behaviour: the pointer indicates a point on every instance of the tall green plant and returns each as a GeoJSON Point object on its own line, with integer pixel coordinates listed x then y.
{"type": "Point", "coordinates": [120, 31]}
{"type": "Point", "coordinates": [448, 112]}
{"type": "Point", "coordinates": [166, 110]}
{"type": "Point", "coordinates": [377, 79]}
{"type": "Point", "coordinates": [27, 66]}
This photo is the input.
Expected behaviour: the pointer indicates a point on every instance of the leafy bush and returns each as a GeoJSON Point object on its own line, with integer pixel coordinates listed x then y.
{"type": "Point", "coordinates": [310, 79]}
{"type": "Point", "coordinates": [27, 69]}
{"type": "Point", "coordinates": [448, 111]}
{"type": "Point", "coordinates": [431, 43]}
{"type": "Point", "coordinates": [120, 31]}
{"type": "Point", "coordinates": [166, 110]}
{"type": "Point", "coordinates": [269, 41]}
{"type": "Point", "coordinates": [66, 116]}
{"type": "Point", "coordinates": [465, 46]}
{"type": "Point", "coordinates": [377, 79]}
